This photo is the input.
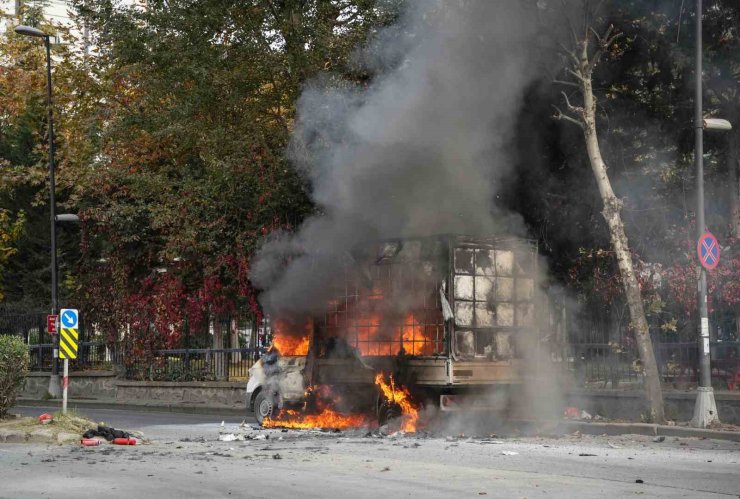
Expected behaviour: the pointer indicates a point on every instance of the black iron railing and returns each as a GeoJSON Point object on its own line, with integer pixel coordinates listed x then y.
{"type": "Point", "coordinates": [90, 355]}
{"type": "Point", "coordinates": [603, 365]}
{"type": "Point", "coordinates": [225, 364]}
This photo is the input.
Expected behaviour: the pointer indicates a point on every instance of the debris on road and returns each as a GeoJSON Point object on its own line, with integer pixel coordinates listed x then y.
{"type": "Point", "coordinates": [107, 432]}
{"type": "Point", "coordinates": [571, 413]}
{"type": "Point", "coordinates": [124, 441]}
{"type": "Point", "coordinates": [45, 418]}
{"type": "Point", "coordinates": [661, 438]}
{"type": "Point", "coordinates": [509, 453]}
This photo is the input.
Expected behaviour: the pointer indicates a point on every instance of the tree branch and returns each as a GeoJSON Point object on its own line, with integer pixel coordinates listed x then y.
{"type": "Point", "coordinates": [561, 116]}
{"type": "Point", "coordinates": [571, 107]}
{"type": "Point", "coordinates": [578, 74]}
{"type": "Point", "coordinates": [568, 83]}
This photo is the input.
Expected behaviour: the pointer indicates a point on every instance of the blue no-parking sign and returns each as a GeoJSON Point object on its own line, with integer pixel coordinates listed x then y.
{"type": "Point", "coordinates": [708, 250]}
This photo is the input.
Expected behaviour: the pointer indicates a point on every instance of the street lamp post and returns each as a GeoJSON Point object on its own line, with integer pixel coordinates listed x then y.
{"type": "Point", "coordinates": [54, 387]}
{"type": "Point", "coordinates": [705, 409]}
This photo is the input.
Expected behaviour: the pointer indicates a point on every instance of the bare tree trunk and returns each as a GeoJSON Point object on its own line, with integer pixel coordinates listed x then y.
{"type": "Point", "coordinates": [612, 206]}
{"type": "Point", "coordinates": [585, 117]}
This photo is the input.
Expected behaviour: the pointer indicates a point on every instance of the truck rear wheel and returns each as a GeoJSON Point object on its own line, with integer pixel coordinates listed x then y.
{"type": "Point", "coordinates": [389, 412]}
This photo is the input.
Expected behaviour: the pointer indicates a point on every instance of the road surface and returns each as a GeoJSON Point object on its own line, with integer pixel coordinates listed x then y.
{"type": "Point", "coordinates": [185, 458]}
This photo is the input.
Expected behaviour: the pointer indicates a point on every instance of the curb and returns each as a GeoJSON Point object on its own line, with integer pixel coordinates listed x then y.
{"type": "Point", "coordinates": [648, 429]}
{"type": "Point", "coordinates": [130, 406]}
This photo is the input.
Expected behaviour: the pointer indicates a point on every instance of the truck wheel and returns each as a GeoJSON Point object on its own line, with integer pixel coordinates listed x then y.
{"type": "Point", "coordinates": [264, 406]}
{"type": "Point", "coordinates": [389, 413]}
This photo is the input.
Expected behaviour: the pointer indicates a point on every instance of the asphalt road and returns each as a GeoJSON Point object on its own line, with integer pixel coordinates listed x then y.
{"type": "Point", "coordinates": [185, 458]}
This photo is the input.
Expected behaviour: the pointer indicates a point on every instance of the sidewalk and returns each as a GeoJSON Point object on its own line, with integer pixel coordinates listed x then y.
{"type": "Point", "coordinates": [649, 429]}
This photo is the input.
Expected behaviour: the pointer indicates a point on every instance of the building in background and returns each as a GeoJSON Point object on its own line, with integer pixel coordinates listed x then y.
{"type": "Point", "coordinates": [56, 11]}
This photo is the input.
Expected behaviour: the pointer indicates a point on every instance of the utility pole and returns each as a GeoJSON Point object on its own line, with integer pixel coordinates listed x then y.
{"type": "Point", "coordinates": [705, 410]}
{"type": "Point", "coordinates": [54, 387]}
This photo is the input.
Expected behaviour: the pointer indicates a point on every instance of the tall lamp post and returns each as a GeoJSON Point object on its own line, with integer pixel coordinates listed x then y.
{"type": "Point", "coordinates": [705, 409]}
{"type": "Point", "coordinates": [54, 387]}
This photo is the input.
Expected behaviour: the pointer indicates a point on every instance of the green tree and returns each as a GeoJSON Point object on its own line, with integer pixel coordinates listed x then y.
{"type": "Point", "coordinates": [179, 162]}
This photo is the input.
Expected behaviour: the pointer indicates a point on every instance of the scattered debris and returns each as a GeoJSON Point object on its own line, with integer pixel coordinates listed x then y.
{"type": "Point", "coordinates": [585, 415]}
{"type": "Point", "coordinates": [639, 480]}
{"type": "Point", "coordinates": [660, 438]}
{"type": "Point", "coordinates": [572, 412]}
{"type": "Point", "coordinates": [230, 437]}
{"type": "Point", "coordinates": [386, 469]}
{"type": "Point", "coordinates": [509, 453]}
{"type": "Point", "coordinates": [90, 442]}
{"type": "Point", "coordinates": [612, 445]}
{"type": "Point", "coordinates": [585, 454]}
{"type": "Point", "coordinates": [124, 441]}
{"type": "Point", "coordinates": [277, 456]}
{"type": "Point", "coordinates": [45, 418]}
{"type": "Point", "coordinates": [107, 432]}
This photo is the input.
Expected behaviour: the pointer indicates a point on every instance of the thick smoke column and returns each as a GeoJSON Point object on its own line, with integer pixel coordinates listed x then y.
{"type": "Point", "coordinates": [420, 151]}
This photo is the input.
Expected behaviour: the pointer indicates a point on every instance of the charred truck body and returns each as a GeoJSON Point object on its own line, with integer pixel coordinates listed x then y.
{"type": "Point", "coordinates": [449, 316]}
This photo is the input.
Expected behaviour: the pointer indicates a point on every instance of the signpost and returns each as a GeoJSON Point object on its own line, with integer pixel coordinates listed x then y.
{"type": "Point", "coordinates": [68, 346]}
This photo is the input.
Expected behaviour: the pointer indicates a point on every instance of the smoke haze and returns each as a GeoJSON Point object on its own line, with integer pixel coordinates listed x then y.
{"type": "Point", "coordinates": [422, 150]}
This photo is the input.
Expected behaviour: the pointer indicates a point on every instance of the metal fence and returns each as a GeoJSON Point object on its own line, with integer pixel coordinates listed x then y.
{"type": "Point", "coordinates": [603, 365]}
{"type": "Point", "coordinates": [90, 356]}
{"type": "Point", "coordinates": [166, 365]}
{"type": "Point", "coordinates": [226, 364]}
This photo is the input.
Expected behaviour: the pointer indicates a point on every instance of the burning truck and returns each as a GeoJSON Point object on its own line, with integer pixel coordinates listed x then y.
{"type": "Point", "coordinates": [429, 321]}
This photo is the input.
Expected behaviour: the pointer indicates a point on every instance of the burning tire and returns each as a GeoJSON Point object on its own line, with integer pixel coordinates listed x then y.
{"type": "Point", "coordinates": [389, 413]}
{"type": "Point", "coordinates": [265, 406]}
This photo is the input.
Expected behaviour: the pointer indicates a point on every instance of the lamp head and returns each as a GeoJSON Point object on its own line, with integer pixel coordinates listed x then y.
{"type": "Point", "coordinates": [30, 31]}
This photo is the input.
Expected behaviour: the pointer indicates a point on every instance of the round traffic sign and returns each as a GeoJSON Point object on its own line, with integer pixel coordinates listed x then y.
{"type": "Point", "coordinates": [69, 317]}
{"type": "Point", "coordinates": [707, 248]}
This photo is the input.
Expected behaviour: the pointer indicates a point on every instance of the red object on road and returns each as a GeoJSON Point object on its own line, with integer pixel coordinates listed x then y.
{"type": "Point", "coordinates": [124, 441]}
{"type": "Point", "coordinates": [90, 442]}
{"type": "Point", "coordinates": [572, 412]}
{"type": "Point", "coordinates": [45, 418]}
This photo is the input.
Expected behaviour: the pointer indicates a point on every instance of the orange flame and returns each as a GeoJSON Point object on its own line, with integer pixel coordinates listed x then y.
{"type": "Point", "coordinates": [287, 342]}
{"type": "Point", "coordinates": [402, 397]}
{"type": "Point", "coordinates": [328, 418]}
